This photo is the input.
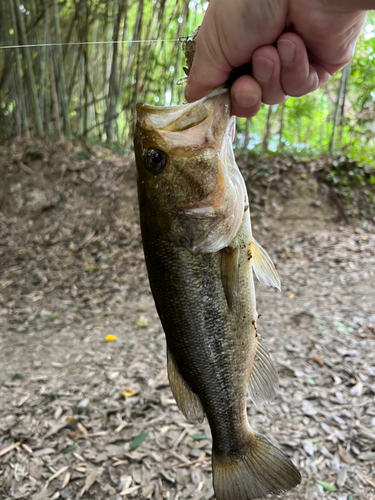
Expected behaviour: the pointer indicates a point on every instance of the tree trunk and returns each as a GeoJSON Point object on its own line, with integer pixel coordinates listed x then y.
{"type": "Point", "coordinates": [247, 133]}
{"type": "Point", "coordinates": [336, 114]}
{"type": "Point", "coordinates": [346, 74]}
{"type": "Point", "coordinates": [60, 64]}
{"type": "Point", "coordinates": [30, 70]}
{"type": "Point", "coordinates": [55, 101]}
{"type": "Point", "coordinates": [113, 80]}
{"type": "Point", "coordinates": [281, 146]}
{"type": "Point", "coordinates": [267, 133]}
{"type": "Point", "coordinates": [126, 72]}
{"type": "Point", "coordinates": [19, 84]}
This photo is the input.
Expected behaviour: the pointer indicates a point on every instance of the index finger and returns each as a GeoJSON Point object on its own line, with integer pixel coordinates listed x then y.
{"type": "Point", "coordinates": [209, 69]}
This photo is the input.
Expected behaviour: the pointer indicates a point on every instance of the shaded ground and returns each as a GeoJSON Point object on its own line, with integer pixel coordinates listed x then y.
{"type": "Point", "coordinates": [73, 405]}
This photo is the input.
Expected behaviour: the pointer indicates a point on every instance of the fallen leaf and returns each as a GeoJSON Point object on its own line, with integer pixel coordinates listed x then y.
{"type": "Point", "coordinates": [65, 480]}
{"type": "Point", "coordinates": [318, 359]}
{"type": "Point", "coordinates": [128, 393]}
{"type": "Point", "coordinates": [326, 486]}
{"type": "Point", "coordinates": [56, 474]}
{"type": "Point", "coordinates": [138, 440]}
{"type": "Point", "coordinates": [111, 338]}
{"type": "Point", "coordinates": [291, 296]}
{"type": "Point", "coordinates": [69, 449]}
{"type": "Point", "coordinates": [142, 323]}
{"type": "Point", "coordinates": [90, 480]}
{"type": "Point", "coordinates": [198, 437]}
{"type": "Point", "coordinates": [9, 448]}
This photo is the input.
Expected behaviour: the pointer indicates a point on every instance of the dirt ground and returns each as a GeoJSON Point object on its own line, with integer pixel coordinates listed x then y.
{"type": "Point", "coordinates": [82, 417]}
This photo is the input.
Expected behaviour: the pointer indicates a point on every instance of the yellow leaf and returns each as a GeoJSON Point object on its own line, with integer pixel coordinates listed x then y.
{"type": "Point", "coordinates": [125, 255]}
{"type": "Point", "coordinates": [291, 296]}
{"type": "Point", "coordinates": [303, 176]}
{"type": "Point", "coordinates": [142, 323]}
{"type": "Point", "coordinates": [111, 338]}
{"type": "Point", "coordinates": [128, 393]}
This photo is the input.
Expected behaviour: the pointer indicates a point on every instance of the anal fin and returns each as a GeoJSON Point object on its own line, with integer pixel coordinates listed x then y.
{"type": "Point", "coordinates": [263, 266]}
{"type": "Point", "coordinates": [264, 382]}
{"type": "Point", "coordinates": [230, 273]}
{"type": "Point", "coordinates": [188, 402]}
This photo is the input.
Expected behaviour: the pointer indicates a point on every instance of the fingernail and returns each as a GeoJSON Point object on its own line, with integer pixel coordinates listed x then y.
{"type": "Point", "coordinates": [263, 69]}
{"type": "Point", "coordinates": [287, 51]}
{"type": "Point", "coordinates": [245, 100]}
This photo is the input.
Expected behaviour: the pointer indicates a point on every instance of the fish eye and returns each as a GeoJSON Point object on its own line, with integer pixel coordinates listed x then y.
{"type": "Point", "coordinates": [156, 160]}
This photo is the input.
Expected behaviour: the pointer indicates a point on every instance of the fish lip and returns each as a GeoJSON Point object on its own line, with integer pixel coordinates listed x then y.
{"type": "Point", "coordinates": [152, 117]}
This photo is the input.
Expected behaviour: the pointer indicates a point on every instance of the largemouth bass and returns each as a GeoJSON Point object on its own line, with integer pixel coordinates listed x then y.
{"type": "Point", "coordinates": [200, 256]}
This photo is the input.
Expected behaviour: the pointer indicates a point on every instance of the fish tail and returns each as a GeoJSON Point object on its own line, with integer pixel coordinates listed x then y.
{"type": "Point", "coordinates": [253, 472]}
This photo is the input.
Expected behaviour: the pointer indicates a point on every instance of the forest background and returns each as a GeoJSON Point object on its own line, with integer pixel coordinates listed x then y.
{"type": "Point", "coordinates": [86, 85]}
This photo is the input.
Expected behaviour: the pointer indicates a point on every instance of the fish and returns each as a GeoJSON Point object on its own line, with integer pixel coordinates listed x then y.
{"type": "Point", "coordinates": [201, 257]}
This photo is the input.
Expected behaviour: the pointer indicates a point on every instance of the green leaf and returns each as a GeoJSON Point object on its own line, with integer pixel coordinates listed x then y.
{"type": "Point", "coordinates": [78, 305]}
{"type": "Point", "coordinates": [142, 323]}
{"type": "Point", "coordinates": [198, 437]}
{"type": "Point", "coordinates": [342, 328]}
{"type": "Point", "coordinates": [326, 486]}
{"type": "Point", "coordinates": [91, 269]}
{"type": "Point", "coordinates": [54, 318]}
{"type": "Point", "coordinates": [16, 376]}
{"type": "Point", "coordinates": [320, 321]}
{"type": "Point", "coordinates": [69, 449]}
{"type": "Point", "coordinates": [372, 179]}
{"type": "Point", "coordinates": [310, 381]}
{"type": "Point", "coordinates": [313, 440]}
{"type": "Point", "coordinates": [138, 440]}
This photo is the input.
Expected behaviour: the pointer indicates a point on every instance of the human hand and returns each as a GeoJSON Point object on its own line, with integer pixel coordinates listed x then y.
{"type": "Point", "coordinates": [295, 46]}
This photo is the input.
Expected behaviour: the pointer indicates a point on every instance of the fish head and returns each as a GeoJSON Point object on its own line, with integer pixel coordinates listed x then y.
{"type": "Point", "coordinates": [186, 170]}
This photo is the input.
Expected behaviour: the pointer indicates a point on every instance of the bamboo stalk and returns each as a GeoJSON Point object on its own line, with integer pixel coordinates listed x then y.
{"type": "Point", "coordinates": [60, 63]}
{"type": "Point", "coordinates": [30, 70]}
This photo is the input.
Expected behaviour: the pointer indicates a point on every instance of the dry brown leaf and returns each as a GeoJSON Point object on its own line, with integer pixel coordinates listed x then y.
{"type": "Point", "coordinates": [90, 480]}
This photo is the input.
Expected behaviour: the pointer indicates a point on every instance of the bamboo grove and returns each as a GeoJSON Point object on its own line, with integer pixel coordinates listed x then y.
{"type": "Point", "coordinates": [89, 90]}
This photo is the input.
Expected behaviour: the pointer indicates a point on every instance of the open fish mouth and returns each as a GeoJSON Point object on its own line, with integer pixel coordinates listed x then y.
{"type": "Point", "coordinates": [207, 194]}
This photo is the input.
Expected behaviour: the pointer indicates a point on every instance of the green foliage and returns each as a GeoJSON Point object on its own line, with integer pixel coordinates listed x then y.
{"type": "Point", "coordinates": [304, 125]}
{"type": "Point", "coordinates": [347, 177]}
{"type": "Point", "coordinates": [102, 89]}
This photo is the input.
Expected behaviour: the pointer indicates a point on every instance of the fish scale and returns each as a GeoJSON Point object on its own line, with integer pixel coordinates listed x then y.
{"type": "Point", "coordinates": [200, 256]}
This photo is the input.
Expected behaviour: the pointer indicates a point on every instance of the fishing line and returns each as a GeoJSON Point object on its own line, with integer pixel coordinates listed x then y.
{"type": "Point", "coordinates": [86, 43]}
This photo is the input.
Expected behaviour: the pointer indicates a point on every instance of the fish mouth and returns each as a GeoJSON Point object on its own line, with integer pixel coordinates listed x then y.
{"type": "Point", "coordinates": [210, 224]}
{"type": "Point", "coordinates": [225, 206]}
{"type": "Point", "coordinates": [178, 118]}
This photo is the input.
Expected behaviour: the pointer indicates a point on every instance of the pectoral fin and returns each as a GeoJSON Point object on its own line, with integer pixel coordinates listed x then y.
{"type": "Point", "coordinates": [264, 381]}
{"type": "Point", "coordinates": [188, 402]}
{"type": "Point", "coordinates": [263, 266]}
{"type": "Point", "coordinates": [230, 273]}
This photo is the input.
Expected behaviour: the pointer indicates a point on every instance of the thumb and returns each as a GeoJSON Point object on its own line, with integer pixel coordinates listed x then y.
{"type": "Point", "coordinates": [231, 31]}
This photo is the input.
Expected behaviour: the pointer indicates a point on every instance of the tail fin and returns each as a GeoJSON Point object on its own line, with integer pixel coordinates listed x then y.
{"type": "Point", "coordinates": [253, 473]}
